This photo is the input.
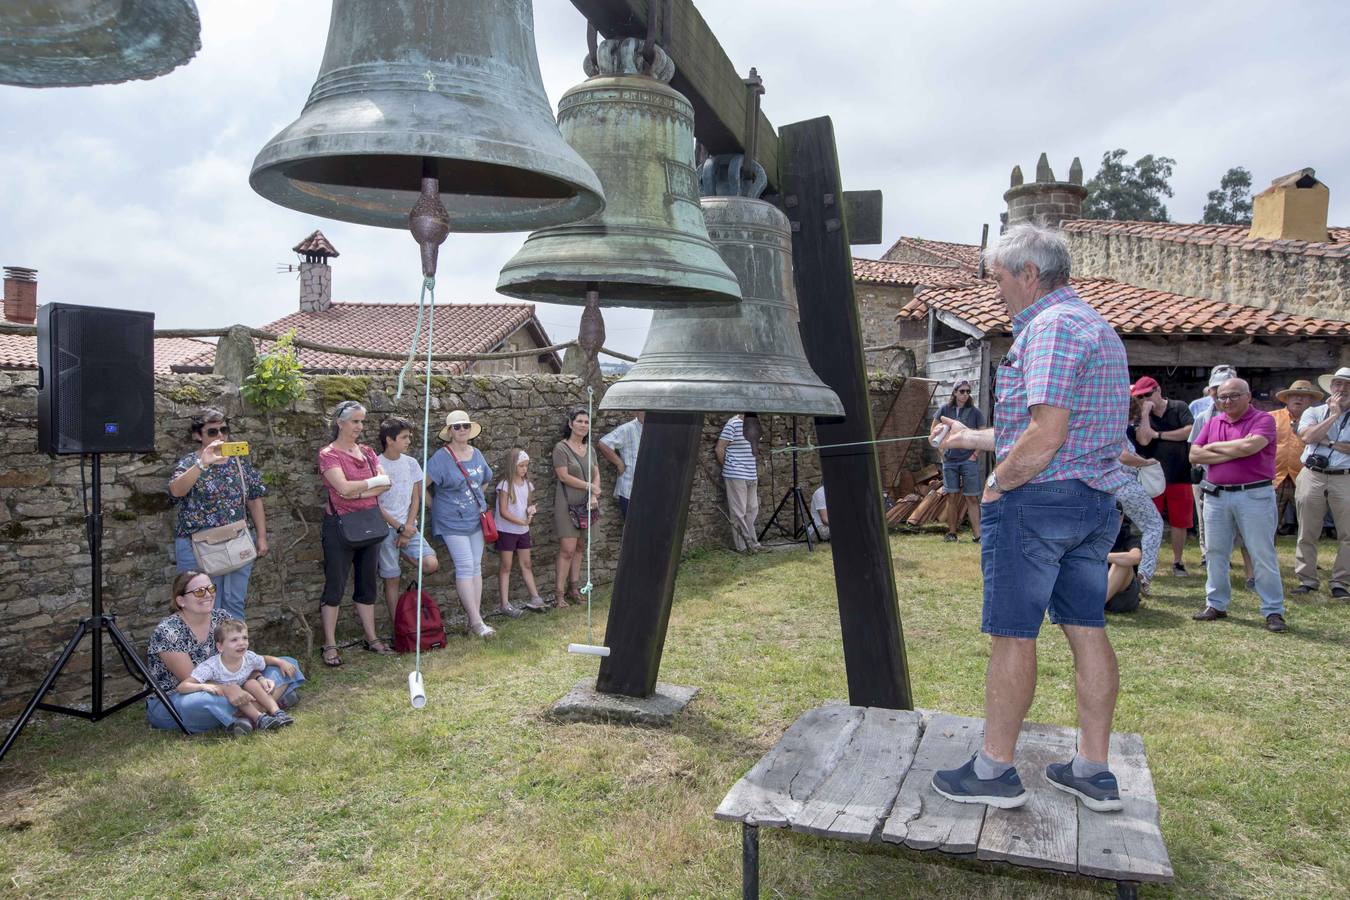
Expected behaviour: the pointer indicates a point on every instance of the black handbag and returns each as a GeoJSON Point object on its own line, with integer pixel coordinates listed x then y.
{"type": "Point", "coordinates": [363, 527]}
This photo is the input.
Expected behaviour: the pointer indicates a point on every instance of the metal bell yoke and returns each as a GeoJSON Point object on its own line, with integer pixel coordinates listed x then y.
{"type": "Point", "coordinates": [73, 43]}
{"type": "Point", "coordinates": [745, 357]}
{"type": "Point", "coordinates": [649, 247]}
{"type": "Point", "coordinates": [454, 84]}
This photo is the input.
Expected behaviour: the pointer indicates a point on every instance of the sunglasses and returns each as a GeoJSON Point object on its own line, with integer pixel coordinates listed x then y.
{"type": "Point", "coordinates": [200, 593]}
{"type": "Point", "coordinates": [212, 432]}
{"type": "Point", "coordinates": [461, 426]}
{"type": "Point", "coordinates": [963, 391]}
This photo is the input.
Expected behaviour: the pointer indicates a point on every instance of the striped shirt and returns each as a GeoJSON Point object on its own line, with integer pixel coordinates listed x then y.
{"type": "Point", "coordinates": [740, 462]}
{"type": "Point", "coordinates": [625, 441]}
{"type": "Point", "coordinates": [1065, 355]}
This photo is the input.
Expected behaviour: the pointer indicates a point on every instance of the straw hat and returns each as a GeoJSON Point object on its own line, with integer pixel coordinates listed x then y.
{"type": "Point", "coordinates": [1343, 373]}
{"type": "Point", "coordinates": [1302, 386]}
{"type": "Point", "coordinates": [459, 417]}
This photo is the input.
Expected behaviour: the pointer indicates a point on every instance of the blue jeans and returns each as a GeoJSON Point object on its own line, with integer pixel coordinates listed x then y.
{"type": "Point", "coordinates": [231, 589]}
{"type": "Point", "coordinates": [1252, 515]}
{"type": "Point", "coordinates": [962, 477]}
{"type": "Point", "coordinates": [1044, 548]}
{"type": "Point", "coordinates": [201, 711]}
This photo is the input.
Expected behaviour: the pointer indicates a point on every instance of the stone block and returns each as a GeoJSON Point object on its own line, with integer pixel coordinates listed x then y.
{"type": "Point", "coordinates": [585, 704]}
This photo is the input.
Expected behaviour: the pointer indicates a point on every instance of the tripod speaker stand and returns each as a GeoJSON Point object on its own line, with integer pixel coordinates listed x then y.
{"type": "Point", "coordinates": [803, 525]}
{"type": "Point", "coordinates": [94, 626]}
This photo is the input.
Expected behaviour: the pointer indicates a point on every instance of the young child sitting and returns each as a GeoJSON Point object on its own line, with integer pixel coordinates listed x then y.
{"type": "Point", "coordinates": [235, 673]}
{"type": "Point", "coordinates": [514, 512]}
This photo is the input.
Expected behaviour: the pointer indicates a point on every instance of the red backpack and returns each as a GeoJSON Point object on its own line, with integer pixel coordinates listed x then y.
{"type": "Point", "coordinates": [405, 622]}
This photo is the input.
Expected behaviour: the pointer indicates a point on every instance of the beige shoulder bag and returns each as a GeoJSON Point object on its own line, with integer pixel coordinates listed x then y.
{"type": "Point", "coordinates": [226, 548]}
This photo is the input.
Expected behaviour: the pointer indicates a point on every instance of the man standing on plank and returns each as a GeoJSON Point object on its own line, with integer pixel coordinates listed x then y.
{"type": "Point", "coordinates": [1048, 516]}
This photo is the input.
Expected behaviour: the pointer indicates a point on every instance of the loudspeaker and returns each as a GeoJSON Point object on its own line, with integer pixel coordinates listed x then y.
{"type": "Point", "coordinates": [96, 379]}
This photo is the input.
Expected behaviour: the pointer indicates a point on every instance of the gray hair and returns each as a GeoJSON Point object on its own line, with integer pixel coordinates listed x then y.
{"type": "Point", "coordinates": [341, 413]}
{"type": "Point", "coordinates": [1035, 245]}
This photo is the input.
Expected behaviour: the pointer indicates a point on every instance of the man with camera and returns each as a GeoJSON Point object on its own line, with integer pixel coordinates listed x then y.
{"type": "Point", "coordinates": [1238, 446]}
{"type": "Point", "coordinates": [1325, 483]}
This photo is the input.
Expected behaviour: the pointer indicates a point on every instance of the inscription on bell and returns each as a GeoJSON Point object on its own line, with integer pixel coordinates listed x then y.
{"type": "Point", "coordinates": [681, 181]}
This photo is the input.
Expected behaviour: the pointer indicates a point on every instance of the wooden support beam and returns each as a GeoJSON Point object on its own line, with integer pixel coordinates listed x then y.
{"type": "Point", "coordinates": [1314, 354]}
{"type": "Point", "coordinates": [703, 73]}
{"type": "Point", "coordinates": [874, 651]}
{"type": "Point", "coordinates": [644, 587]}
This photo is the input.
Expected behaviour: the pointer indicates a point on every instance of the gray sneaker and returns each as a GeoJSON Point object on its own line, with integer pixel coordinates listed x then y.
{"type": "Point", "coordinates": [963, 786]}
{"type": "Point", "coordinates": [239, 728]}
{"type": "Point", "coordinates": [1100, 793]}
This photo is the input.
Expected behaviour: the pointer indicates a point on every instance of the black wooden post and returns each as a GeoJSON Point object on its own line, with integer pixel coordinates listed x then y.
{"type": "Point", "coordinates": [874, 650]}
{"type": "Point", "coordinates": [653, 537]}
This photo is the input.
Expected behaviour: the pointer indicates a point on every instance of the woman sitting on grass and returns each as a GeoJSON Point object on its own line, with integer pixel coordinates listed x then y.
{"type": "Point", "coordinates": [186, 639]}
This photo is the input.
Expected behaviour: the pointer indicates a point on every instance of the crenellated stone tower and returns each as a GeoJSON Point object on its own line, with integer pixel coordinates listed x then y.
{"type": "Point", "coordinates": [1045, 201]}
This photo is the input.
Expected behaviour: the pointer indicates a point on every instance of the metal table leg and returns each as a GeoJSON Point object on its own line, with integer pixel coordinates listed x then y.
{"type": "Point", "coordinates": [749, 861]}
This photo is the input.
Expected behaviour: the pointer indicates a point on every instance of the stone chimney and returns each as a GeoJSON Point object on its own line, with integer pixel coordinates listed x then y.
{"type": "Point", "coordinates": [1045, 201]}
{"type": "Point", "coordinates": [1293, 208]}
{"type": "Point", "coordinates": [20, 295]}
{"type": "Point", "coordinates": [316, 278]}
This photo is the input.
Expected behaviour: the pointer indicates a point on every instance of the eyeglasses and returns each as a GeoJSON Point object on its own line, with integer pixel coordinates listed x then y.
{"type": "Point", "coordinates": [212, 432]}
{"type": "Point", "coordinates": [1228, 398]}
{"type": "Point", "coordinates": [200, 593]}
{"type": "Point", "coordinates": [461, 426]}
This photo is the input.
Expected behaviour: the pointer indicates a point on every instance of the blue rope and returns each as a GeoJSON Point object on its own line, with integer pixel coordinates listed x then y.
{"type": "Point", "coordinates": [590, 447]}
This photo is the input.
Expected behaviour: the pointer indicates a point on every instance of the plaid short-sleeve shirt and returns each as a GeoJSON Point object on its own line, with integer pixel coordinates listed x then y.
{"type": "Point", "coordinates": [1065, 355]}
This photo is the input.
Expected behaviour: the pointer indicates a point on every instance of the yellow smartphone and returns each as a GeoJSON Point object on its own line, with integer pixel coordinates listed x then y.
{"type": "Point", "coordinates": [234, 448]}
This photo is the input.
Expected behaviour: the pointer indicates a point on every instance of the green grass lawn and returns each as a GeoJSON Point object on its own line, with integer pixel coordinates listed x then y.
{"type": "Point", "coordinates": [479, 794]}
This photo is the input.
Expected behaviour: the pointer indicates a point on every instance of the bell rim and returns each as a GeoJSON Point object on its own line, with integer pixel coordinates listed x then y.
{"type": "Point", "coordinates": [63, 66]}
{"type": "Point", "coordinates": [721, 397]}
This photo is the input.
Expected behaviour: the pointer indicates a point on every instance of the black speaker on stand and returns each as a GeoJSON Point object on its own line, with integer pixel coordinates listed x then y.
{"type": "Point", "coordinates": [96, 395]}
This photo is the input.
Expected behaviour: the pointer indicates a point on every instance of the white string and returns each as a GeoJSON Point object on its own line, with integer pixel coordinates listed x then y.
{"type": "Point", "coordinates": [590, 444]}
{"type": "Point", "coordinates": [807, 448]}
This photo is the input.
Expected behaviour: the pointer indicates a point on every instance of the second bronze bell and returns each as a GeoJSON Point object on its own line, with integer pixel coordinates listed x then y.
{"type": "Point", "coordinates": [649, 247]}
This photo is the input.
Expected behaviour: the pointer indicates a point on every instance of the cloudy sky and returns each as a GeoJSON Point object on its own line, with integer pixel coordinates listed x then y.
{"type": "Point", "coordinates": [137, 196]}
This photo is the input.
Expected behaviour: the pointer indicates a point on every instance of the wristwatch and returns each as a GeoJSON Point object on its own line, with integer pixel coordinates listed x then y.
{"type": "Point", "coordinates": [398, 530]}
{"type": "Point", "coordinates": [201, 465]}
{"type": "Point", "coordinates": [991, 484]}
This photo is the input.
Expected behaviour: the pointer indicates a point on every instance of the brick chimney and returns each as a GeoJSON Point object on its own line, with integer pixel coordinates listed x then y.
{"type": "Point", "coordinates": [1293, 208]}
{"type": "Point", "coordinates": [1045, 201]}
{"type": "Point", "coordinates": [20, 295]}
{"type": "Point", "coordinates": [316, 277]}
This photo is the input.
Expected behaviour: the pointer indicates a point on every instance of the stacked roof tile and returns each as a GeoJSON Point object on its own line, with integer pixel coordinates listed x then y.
{"type": "Point", "coordinates": [1208, 235]}
{"type": "Point", "coordinates": [967, 255]}
{"type": "Point", "coordinates": [882, 271]}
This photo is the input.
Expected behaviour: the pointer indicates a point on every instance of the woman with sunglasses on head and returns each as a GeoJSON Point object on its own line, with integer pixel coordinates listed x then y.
{"type": "Point", "coordinates": [456, 476]}
{"type": "Point", "coordinates": [211, 490]}
{"type": "Point", "coordinates": [354, 480]}
{"type": "Point", "coordinates": [961, 468]}
{"type": "Point", "coordinates": [573, 497]}
{"type": "Point", "coordinates": [184, 640]}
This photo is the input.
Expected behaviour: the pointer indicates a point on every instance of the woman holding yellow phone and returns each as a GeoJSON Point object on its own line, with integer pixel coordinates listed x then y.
{"type": "Point", "coordinates": [212, 490]}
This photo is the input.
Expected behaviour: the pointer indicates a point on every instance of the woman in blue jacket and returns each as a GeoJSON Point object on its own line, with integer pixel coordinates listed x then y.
{"type": "Point", "coordinates": [456, 477]}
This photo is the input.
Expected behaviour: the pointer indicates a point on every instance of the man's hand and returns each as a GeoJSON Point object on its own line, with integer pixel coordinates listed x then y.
{"type": "Point", "coordinates": [990, 496]}
{"type": "Point", "coordinates": [1341, 446]}
{"type": "Point", "coordinates": [403, 539]}
{"type": "Point", "coordinates": [956, 437]}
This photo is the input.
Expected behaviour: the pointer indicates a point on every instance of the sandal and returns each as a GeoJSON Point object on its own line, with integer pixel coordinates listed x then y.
{"type": "Point", "coordinates": [377, 646]}
{"type": "Point", "coordinates": [335, 659]}
{"type": "Point", "coordinates": [537, 604]}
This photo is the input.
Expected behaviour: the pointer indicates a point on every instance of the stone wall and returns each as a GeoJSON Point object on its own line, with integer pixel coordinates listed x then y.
{"type": "Point", "coordinates": [877, 306]}
{"type": "Point", "coordinates": [1266, 279]}
{"type": "Point", "coordinates": [44, 560]}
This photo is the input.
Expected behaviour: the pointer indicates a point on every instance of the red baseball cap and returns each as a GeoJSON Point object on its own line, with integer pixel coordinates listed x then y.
{"type": "Point", "coordinates": [1144, 386]}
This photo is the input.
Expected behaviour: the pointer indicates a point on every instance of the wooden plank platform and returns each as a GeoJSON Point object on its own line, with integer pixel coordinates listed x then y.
{"type": "Point", "coordinates": [864, 774]}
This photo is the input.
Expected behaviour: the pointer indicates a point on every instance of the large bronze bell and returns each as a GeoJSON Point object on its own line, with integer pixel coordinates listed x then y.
{"type": "Point", "coordinates": [454, 82]}
{"type": "Point", "coordinates": [745, 357]}
{"type": "Point", "coordinates": [71, 43]}
{"type": "Point", "coordinates": [650, 247]}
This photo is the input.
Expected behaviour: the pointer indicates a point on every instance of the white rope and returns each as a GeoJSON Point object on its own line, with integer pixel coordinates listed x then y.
{"type": "Point", "coordinates": [590, 453]}
{"type": "Point", "coordinates": [807, 448]}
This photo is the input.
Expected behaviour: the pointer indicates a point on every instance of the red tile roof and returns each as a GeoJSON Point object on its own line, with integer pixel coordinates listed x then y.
{"type": "Point", "coordinates": [1206, 235]}
{"type": "Point", "coordinates": [388, 327]}
{"type": "Point", "coordinates": [967, 255]}
{"type": "Point", "coordinates": [316, 245]}
{"type": "Point", "coordinates": [1130, 310]}
{"type": "Point", "coordinates": [881, 271]}
{"type": "Point", "coordinates": [19, 351]}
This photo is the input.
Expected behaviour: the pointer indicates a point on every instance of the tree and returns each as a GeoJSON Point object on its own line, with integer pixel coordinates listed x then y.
{"type": "Point", "coordinates": [1231, 204]}
{"type": "Point", "coordinates": [1129, 191]}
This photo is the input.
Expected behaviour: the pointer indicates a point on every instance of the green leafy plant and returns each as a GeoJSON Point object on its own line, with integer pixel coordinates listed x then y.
{"type": "Point", "coordinates": [275, 382]}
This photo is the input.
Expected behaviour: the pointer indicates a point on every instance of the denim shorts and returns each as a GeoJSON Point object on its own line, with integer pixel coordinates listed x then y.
{"type": "Point", "coordinates": [1044, 548]}
{"type": "Point", "coordinates": [962, 478]}
{"type": "Point", "coordinates": [389, 552]}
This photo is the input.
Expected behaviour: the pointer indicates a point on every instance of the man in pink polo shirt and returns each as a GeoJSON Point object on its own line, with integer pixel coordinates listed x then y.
{"type": "Point", "coordinates": [1238, 445]}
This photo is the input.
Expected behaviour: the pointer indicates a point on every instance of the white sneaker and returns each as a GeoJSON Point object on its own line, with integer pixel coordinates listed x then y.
{"type": "Point", "coordinates": [484, 631]}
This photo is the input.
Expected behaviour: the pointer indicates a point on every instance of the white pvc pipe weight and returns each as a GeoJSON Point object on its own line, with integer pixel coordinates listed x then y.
{"type": "Point", "coordinates": [588, 649]}
{"type": "Point", "coordinates": [416, 692]}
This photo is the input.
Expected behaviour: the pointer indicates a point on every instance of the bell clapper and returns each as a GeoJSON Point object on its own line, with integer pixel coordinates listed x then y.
{"type": "Point", "coordinates": [591, 333]}
{"type": "Point", "coordinates": [429, 220]}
